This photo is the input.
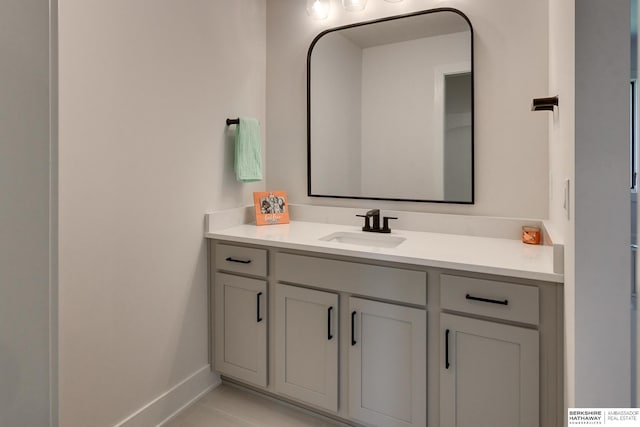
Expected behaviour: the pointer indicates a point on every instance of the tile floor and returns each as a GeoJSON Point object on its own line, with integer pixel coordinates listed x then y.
{"type": "Point", "coordinates": [229, 406]}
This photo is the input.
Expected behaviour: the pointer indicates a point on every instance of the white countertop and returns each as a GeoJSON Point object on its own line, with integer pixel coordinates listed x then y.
{"type": "Point", "coordinates": [489, 255]}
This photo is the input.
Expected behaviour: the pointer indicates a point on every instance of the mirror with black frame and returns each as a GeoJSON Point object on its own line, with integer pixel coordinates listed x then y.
{"type": "Point", "coordinates": [390, 109]}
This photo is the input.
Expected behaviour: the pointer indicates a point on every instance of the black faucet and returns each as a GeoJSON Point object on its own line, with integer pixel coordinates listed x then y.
{"type": "Point", "coordinates": [375, 228]}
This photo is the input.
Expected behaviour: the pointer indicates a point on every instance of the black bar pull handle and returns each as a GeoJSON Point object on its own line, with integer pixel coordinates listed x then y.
{"type": "Point", "coordinates": [329, 310]}
{"type": "Point", "coordinates": [492, 301]}
{"type": "Point", "coordinates": [353, 328]}
{"type": "Point", "coordinates": [258, 317]}
{"type": "Point", "coordinates": [241, 261]}
{"type": "Point", "coordinates": [446, 349]}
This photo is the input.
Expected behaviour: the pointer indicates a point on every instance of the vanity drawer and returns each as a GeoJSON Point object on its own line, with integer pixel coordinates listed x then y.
{"type": "Point", "coordinates": [490, 298]}
{"type": "Point", "coordinates": [388, 283]}
{"type": "Point", "coordinates": [239, 259]}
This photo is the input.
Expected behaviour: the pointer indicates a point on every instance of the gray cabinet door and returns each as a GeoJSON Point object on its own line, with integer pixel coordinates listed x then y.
{"type": "Point", "coordinates": [489, 374]}
{"type": "Point", "coordinates": [306, 345]}
{"type": "Point", "coordinates": [241, 328]}
{"type": "Point", "coordinates": [387, 364]}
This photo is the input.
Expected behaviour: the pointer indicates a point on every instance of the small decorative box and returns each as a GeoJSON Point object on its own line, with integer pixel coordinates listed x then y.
{"type": "Point", "coordinates": [531, 235]}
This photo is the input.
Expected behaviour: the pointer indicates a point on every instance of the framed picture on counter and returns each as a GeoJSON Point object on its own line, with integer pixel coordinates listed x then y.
{"type": "Point", "coordinates": [271, 207]}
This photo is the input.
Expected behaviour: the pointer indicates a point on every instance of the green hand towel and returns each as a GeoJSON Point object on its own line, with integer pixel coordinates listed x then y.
{"type": "Point", "coordinates": [248, 159]}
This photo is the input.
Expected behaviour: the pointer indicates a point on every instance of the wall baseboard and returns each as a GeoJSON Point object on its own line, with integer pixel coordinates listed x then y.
{"type": "Point", "coordinates": [171, 402]}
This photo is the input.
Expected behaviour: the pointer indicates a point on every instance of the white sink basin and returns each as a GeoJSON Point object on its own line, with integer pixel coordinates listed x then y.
{"type": "Point", "coordinates": [364, 239]}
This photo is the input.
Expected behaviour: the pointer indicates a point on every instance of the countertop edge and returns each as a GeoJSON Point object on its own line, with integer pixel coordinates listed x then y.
{"type": "Point", "coordinates": [451, 265]}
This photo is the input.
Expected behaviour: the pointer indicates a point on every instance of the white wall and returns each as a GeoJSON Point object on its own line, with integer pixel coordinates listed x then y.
{"type": "Point", "coordinates": [602, 204]}
{"type": "Point", "coordinates": [341, 128]}
{"type": "Point", "coordinates": [561, 162]}
{"type": "Point", "coordinates": [394, 75]}
{"type": "Point", "coordinates": [589, 144]}
{"type": "Point", "coordinates": [27, 215]}
{"type": "Point", "coordinates": [511, 55]}
{"type": "Point", "coordinates": [145, 88]}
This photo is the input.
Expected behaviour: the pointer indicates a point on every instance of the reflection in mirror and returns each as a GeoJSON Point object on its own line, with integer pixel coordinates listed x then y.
{"type": "Point", "coordinates": [390, 109]}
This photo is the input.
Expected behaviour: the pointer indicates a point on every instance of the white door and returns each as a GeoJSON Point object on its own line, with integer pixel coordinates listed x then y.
{"type": "Point", "coordinates": [489, 374]}
{"type": "Point", "coordinates": [387, 364]}
{"type": "Point", "coordinates": [306, 345]}
{"type": "Point", "coordinates": [241, 328]}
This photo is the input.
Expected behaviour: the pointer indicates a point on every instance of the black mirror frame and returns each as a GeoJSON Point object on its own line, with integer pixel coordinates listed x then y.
{"type": "Point", "coordinates": [374, 21]}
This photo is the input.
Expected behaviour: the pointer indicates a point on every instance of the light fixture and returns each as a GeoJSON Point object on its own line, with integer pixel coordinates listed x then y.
{"type": "Point", "coordinates": [353, 5]}
{"type": "Point", "coordinates": [318, 9]}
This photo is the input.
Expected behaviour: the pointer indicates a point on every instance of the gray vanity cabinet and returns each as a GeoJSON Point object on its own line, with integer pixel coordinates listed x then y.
{"type": "Point", "coordinates": [381, 339]}
{"type": "Point", "coordinates": [490, 369]}
{"type": "Point", "coordinates": [306, 345]}
{"type": "Point", "coordinates": [349, 338]}
{"type": "Point", "coordinates": [240, 313]}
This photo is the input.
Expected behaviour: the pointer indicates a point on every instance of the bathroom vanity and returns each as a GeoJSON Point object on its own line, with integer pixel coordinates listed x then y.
{"type": "Point", "coordinates": [402, 328]}
{"type": "Point", "coordinates": [408, 329]}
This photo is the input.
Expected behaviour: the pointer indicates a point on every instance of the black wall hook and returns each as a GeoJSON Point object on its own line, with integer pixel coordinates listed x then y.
{"type": "Point", "coordinates": [233, 122]}
{"type": "Point", "coordinates": [544, 104]}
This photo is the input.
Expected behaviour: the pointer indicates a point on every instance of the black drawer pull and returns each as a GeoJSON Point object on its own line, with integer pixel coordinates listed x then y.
{"type": "Point", "coordinates": [329, 310]}
{"type": "Point", "coordinates": [353, 328]}
{"type": "Point", "coordinates": [258, 318]}
{"type": "Point", "coordinates": [446, 349]}
{"type": "Point", "coordinates": [492, 301]}
{"type": "Point", "coordinates": [241, 261]}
